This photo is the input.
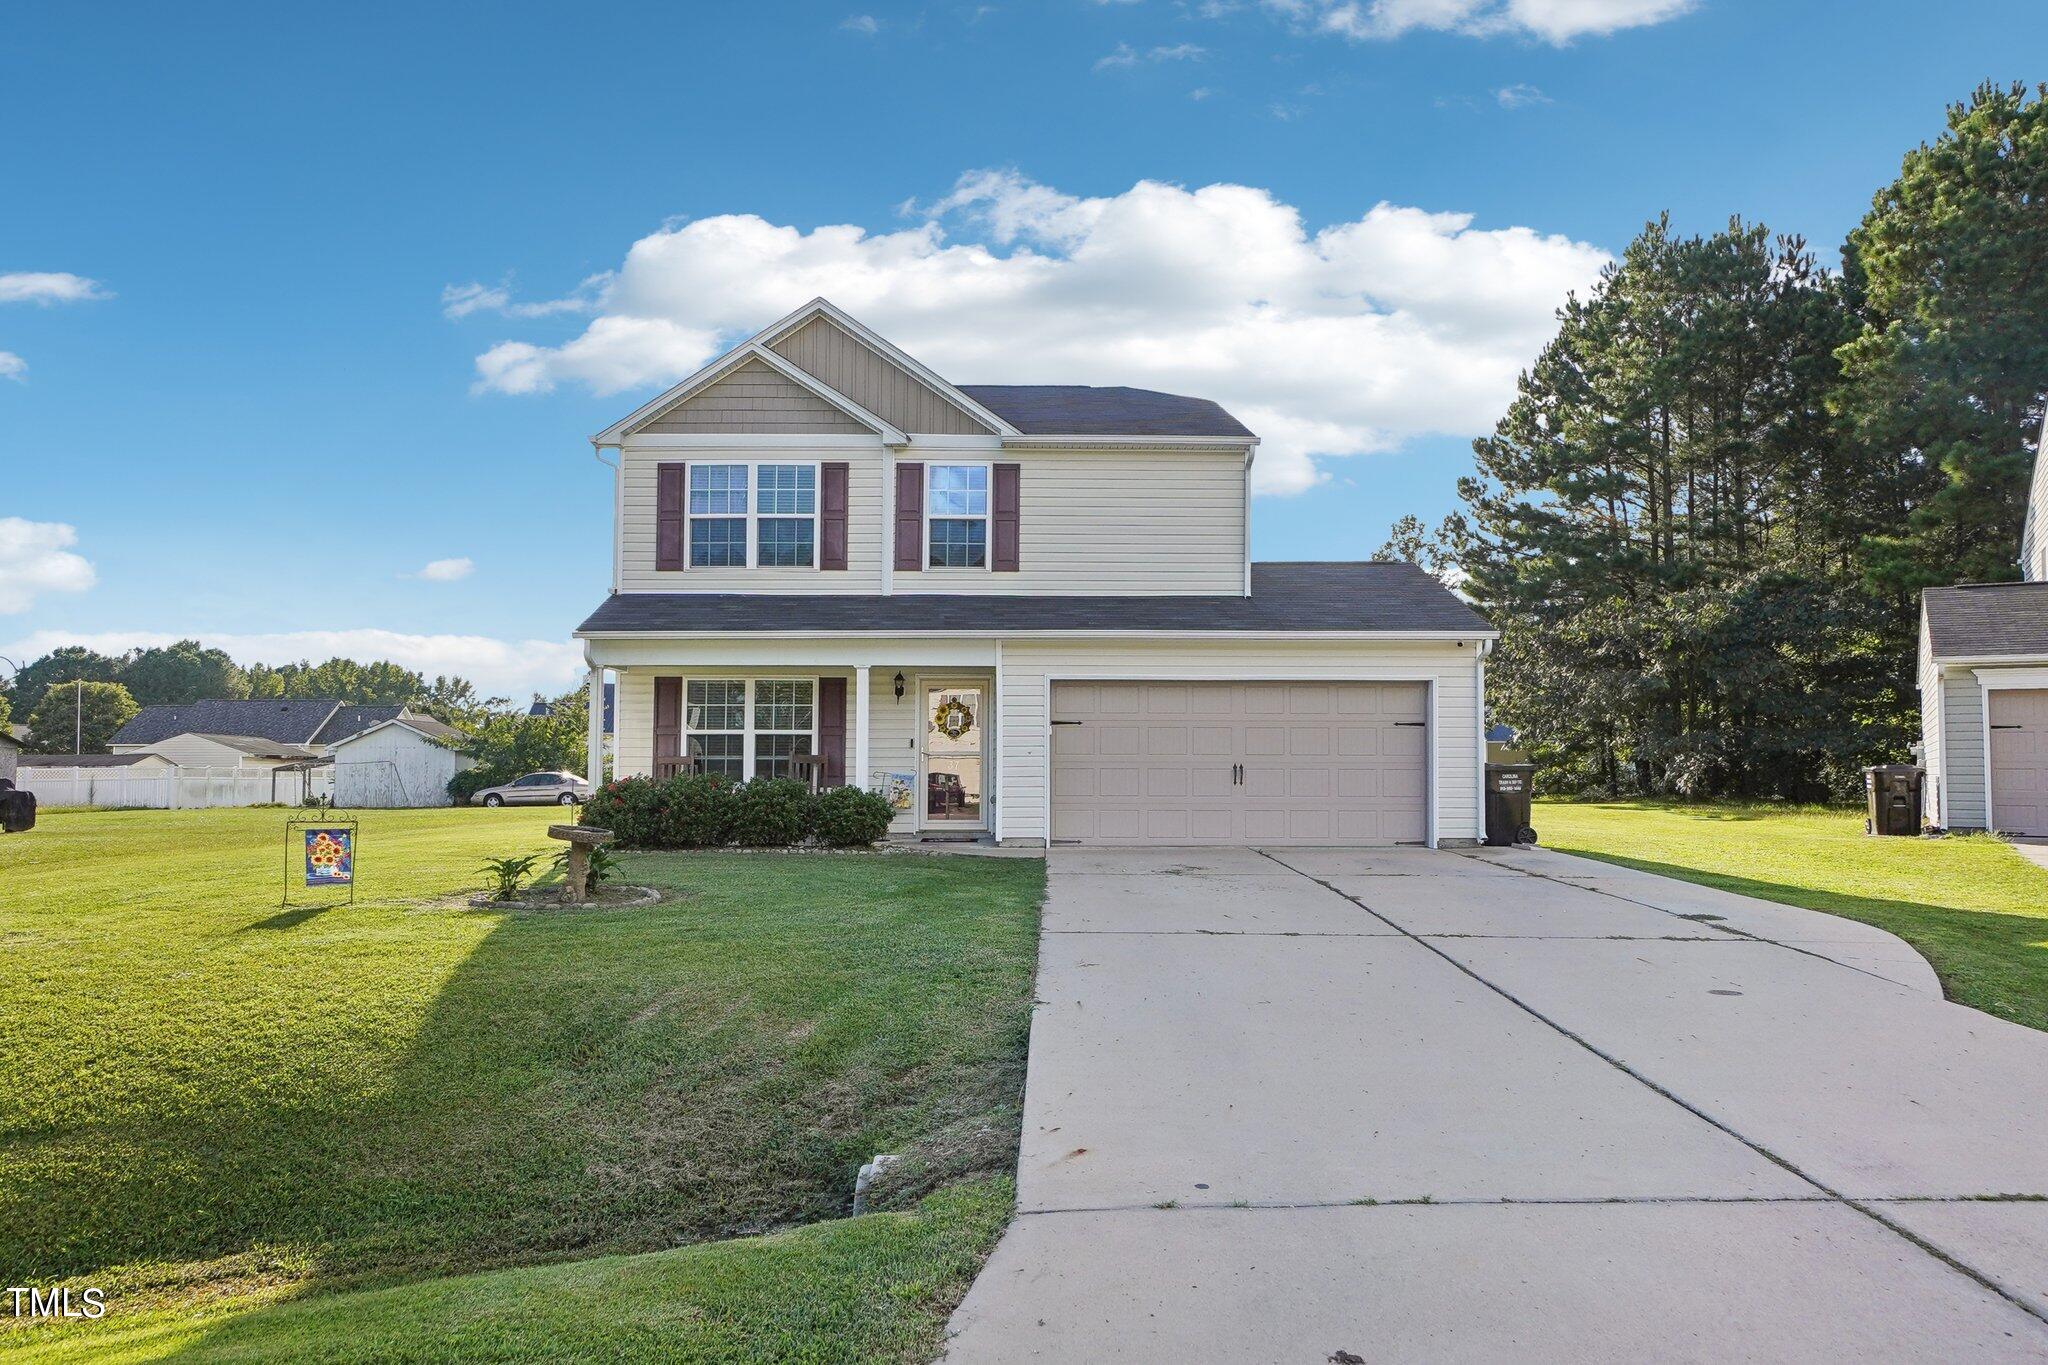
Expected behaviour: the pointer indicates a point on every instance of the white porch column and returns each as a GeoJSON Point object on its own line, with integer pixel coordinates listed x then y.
{"type": "Point", "coordinates": [859, 776]}
{"type": "Point", "coordinates": [594, 731]}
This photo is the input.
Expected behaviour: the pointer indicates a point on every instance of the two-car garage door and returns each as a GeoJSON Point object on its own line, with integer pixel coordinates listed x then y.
{"type": "Point", "coordinates": [1240, 762]}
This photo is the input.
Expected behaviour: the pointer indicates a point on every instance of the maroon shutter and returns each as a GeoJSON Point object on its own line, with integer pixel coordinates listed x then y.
{"type": "Point", "coordinates": [832, 731]}
{"type": "Point", "coordinates": [832, 515]}
{"type": "Point", "coordinates": [1004, 525]}
{"type": "Point", "coordinates": [910, 516]}
{"type": "Point", "coordinates": [668, 725]}
{"type": "Point", "coordinates": [668, 515]}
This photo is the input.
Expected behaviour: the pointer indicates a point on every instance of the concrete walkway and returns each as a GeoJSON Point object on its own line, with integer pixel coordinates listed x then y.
{"type": "Point", "coordinates": [1322, 1105]}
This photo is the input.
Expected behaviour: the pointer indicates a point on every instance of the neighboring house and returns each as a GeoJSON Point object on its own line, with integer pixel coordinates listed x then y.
{"type": "Point", "coordinates": [1023, 610]}
{"type": "Point", "coordinates": [310, 725]}
{"type": "Point", "coordinates": [405, 761]}
{"type": "Point", "coordinates": [141, 764]}
{"type": "Point", "coordinates": [1984, 691]}
{"type": "Point", "coordinates": [10, 754]}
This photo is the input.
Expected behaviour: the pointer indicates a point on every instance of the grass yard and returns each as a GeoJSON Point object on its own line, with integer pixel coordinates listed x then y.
{"type": "Point", "coordinates": [1973, 907]}
{"type": "Point", "coordinates": [221, 1110]}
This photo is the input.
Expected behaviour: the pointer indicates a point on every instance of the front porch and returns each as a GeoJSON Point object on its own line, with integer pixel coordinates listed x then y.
{"type": "Point", "coordinates": [916, 723]}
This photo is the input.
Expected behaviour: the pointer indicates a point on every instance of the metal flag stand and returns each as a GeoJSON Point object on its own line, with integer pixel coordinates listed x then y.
{"type": "Point", "coordinates": [328, 861]}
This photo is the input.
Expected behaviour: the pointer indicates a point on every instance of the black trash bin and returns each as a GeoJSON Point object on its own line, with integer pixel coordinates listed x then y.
{"type": "Point", "coordinates": [1893, 790]}
{"type": "Point", "coordinates": [17, 809]}
{"type": "Point", "coordinates": [1508, 789]}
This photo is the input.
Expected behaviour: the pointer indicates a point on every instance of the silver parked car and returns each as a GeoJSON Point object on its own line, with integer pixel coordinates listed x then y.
{"type": "Point", "coordinates": [536, 789]}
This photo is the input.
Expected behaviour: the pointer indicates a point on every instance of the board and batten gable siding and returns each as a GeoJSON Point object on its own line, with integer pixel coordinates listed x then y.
{"type": "Point", "coordinates": [846, 364]}
{"type": "Point", "coordinates": [1029, 666]}
{"type": "Point", "coordinates": [754, 401]}
{"type": "Point", "coordinates": [1090, 522]}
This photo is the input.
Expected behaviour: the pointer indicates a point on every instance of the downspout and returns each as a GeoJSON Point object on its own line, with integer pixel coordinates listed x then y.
{"type": "Point", "coordinates": [618, 510]}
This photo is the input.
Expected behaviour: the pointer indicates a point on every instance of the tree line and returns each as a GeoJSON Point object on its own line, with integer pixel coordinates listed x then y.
{"type": "Point", "coordinates": [75, 699]}
{"type": "Point", "coordinates": [1704, 522]}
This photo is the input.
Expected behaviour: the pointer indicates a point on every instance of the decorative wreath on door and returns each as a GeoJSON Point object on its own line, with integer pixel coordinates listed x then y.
{"type": "Point", "coordinates": [952, 718]}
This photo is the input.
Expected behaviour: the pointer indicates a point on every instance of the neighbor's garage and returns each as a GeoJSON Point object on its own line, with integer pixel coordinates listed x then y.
{"type": "Point", "coordinates": [2019, 760]}
{"type": "Point", "coordinates": [1240, 763]}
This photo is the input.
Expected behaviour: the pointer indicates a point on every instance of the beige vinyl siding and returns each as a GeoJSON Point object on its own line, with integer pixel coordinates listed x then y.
{"type": "Point", "coordinates": [1962, 716]}
{"type": "Point", "coordinates": [196, 751]}
{"type": "Point", "coordinates": [1931, 738]}
{"type": "Point", "coordinates": [1028, 666]}
{"type": "Point", "coordinates": [863, 570]}
{"type": "Point", "coordinates": [755, 400]}
{"type": "Point", "coordinates": [2034, 533]}
{"type": "Point", "coordinates": [848, 365]}
{"type": "Point", "coordinates": [893, 726]}
{"type": "Point", "coordinates": [1114, 522]}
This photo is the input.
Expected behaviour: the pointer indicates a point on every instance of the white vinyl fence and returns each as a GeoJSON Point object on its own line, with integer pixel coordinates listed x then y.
{"type": "Point", "coordinates": [172, 788]}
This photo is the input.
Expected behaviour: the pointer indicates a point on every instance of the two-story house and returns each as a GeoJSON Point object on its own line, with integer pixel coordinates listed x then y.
{"type": "Point", "coordinates": [1984, 690]}
{"type": "Point", "coordinates": [1028, 612]}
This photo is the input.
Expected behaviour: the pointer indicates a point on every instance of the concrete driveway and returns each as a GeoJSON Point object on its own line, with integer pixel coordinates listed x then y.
{"type": "Point", "coordinates": [1322, 1105]}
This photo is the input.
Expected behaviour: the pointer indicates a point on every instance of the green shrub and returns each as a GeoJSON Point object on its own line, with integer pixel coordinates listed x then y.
{"type": "Point", "coordinates": [771, 812]}
{"type": "Point", "coordinates": [468, 783]}
{"type": "Point", "coordinates": [630, 807]}
{"type": "Point", "coordinates": [697, 810]}
{"type": "Point", "coordinates": [847, 817]}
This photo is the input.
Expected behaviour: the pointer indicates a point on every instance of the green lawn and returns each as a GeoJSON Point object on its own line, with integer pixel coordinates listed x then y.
{"type": "Point", "coordinates": [1972, 906]}
{"type": "Point", "coordinates": [218, 1104]}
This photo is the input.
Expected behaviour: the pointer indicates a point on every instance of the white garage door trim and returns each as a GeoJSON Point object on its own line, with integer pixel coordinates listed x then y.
{"type": "Point", "coordinates": [1430, 774]}
{"type": "Point", "coordinates": [1989, 681]}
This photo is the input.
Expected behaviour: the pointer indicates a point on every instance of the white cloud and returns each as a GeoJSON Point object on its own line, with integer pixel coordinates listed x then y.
{"type": "Point", "coordinates": [1200, 92]}
{"type": "Point", "coordinates": [12, 366]}
{"type": "Point", "coordinates": [864, 24]}
{"type": "Point", "coordinates": [35, 558]}
{"type": "Point", "coordinates": [1554, 21]}
{"type": "Point", "coordinates": [49, 286]}
{"type": "Point", "coordinates": [511, 668]}
{"type": "Point", "coordinates": [446, 570]}
{"type": "Point", "coordinates": [1340, 340]}
{"type": "Point", "coordinates": [458, 301]}
{"type": "Point", "coordinates": [1125, 55]}
{"type": "Point", "coordinates": [1519, 96]}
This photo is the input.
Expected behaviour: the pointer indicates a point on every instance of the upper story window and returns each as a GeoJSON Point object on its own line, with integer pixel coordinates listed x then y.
{"type": "Point", "coordinates": [956, 516]}
{"type": "Point", "coordinates": [775, 527]}
{"type": "Point", "coordinates": [786, 506]}
{"type": "Point", "coordinates": [718, 516]}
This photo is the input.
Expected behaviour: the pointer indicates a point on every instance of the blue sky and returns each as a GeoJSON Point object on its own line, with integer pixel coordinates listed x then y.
{"type": "Point", "coordinates": [260, 253]}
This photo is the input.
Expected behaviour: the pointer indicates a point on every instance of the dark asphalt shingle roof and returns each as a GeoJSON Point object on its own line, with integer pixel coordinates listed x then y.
{"type": "Point", "coordinates": [353, 720]}
{"type": "Point", "coordinates": [1978, 620]}
{"type": "Point", "coordinates": [1086, 410]}
{"type": "Point", "coordinates": [86, 760]}
{"type": "Point", "coordinates": [292, 721]}
{"type": "Point", "coordinates": [1369, 596]}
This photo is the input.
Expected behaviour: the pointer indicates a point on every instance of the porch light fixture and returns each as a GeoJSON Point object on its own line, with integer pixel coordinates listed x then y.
{"type": "Point", "coordinates": [899, 687]}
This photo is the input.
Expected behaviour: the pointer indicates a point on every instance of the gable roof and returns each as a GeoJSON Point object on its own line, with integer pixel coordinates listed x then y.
{"type": "Point", "coordinates": [349, 718]}
{"type": "Point", "coordinates": [1367, 598]}
{"type": "Point", "coordinates": [1086, 410]}
{"type": "Point", "coordinates": [426, 727]}
{"type": "Point", "coordinates": [258, 748]}
{"type": "Point", "coordinates": [88, 760]}
{"type": "Point", "coordinates": [1987, 620]}
{"type": "Point", "coordinates": [288, 721]}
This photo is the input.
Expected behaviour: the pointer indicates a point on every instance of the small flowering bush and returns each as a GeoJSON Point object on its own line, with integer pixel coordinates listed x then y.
{"type": "Point", "coordinates": [772, 812]}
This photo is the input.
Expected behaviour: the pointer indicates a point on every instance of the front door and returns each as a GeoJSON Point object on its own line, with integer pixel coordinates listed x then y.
{"type": "Point", "coordinates": [954, 731]}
